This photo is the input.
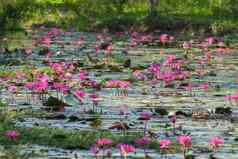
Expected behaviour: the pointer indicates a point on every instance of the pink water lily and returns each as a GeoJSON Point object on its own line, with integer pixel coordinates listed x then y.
{"type": "Point", "coordinates": [145, 115]}
{"type": "Point", "coordinates": [204, 86]}
{"type": "Point", "coordinates": [104, 142]}
{"type": "Point", "coordinates": [12, 134]}
{"type": "Point", "coordinates": [28, 51]}
{"type": "Point", "coordinates": [29, 85]}
{"type": "Point", "coordinates": [80, 94]}
{"type": "Point", "coordinates": [117, 84]}
{"type": "Point", "coordinates": [164, 143]}
{"type": "Point", "coordinates": [12, 88]}
{"type": "Point", "coordinates": [185, 140]}
{"type": "Point", "coordinates": [215, 142]}
{"type": "Point", "coordinates": [94, 149]}
{"type": "Point", "coordinates": [165, 38]}
{"type": "Point", "coordinates": [125, 149]}
{"type": "Point", "coordinates": [83, 74]}
{"type": "Point", "coordinates": [173, 119]}
{"type": "Point", "coordinates": [46, 40]}
{"type": "Point", "coordinates": [187, 45]}
{"type": "Point", "coordinates": [41, 86]}
{"type": "Point", "coordinates": [20, 74]}
{"type": "Point", "coordinates": [143, 141]}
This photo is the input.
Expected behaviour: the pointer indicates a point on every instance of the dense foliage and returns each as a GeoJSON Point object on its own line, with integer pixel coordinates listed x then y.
{"type": "Point", "coordinates": [218, 15]}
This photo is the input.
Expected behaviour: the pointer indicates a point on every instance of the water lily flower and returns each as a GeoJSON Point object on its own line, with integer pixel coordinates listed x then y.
{"type": "Point", "coordinates": [204, 86]}
{"type": "Point", "coordinates": [145, 115]}
{"type": "Point", "coordinates": [82, 75]}
{"type": "Point", "coordinates": [104, 142]}
{"type": "Point", "coordinates": [12, 134]}
{"type": "Point", "coordinates": [41, 86]}
{"type": "Point", "coordinates": [187, 45]}
{"type": "Point", "coordinates": [80, 94]}
{"type": "Point", "coordinates": [125, 149]}
{"type": "Point", "coordinates": [29, 85]}
{"type": "Point", "coordinates": [210, 40]}
{"type": "Point", "coordinates": [94, 149]}
{"type": "Point", "coordinates": [215, 142]}
{"type": "Point", "coordinates": [164, 143]}
{"type": "Point", "coordinates": [173, 119]}
{"type": "Point", "coordinates": [186, 143]}
{"type": "Point", "coordinates": [46, 40]}
{"type": "Point", "coordinates": [165, 38]}
{"type": "Point", "coordinates": [12, 88]}
{"type": "Point", "coordinates": [20, 74]}
{"type": "Point", "coordinates": [143, 141]}
{"type": "Point", "coordinates": [28, 51]}
{"type": "Point", "coordinates": [139, 75]}
{"type": "Point", "coordinates": [185, 140]}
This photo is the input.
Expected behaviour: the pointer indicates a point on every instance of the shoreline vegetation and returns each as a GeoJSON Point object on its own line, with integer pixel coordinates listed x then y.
{"type": "Point", "coordinates": [216, 16]}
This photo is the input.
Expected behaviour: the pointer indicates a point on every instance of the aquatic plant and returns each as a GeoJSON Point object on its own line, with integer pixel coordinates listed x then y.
{"type": "Point", "coordinates": [12, 134]}
{"type": "Point", "coordinates": [146, 116]}
{"type": "Point", "coordinates": [143, 142]}
{"type": "Point", "coordinates": [80, 95]}
{"type": "Point", "coordinates": [215, 143]}
{"type": "Point", "coordinates": [186, 142]}
{"type": "Point", "coordinates": [125, 149]}
{"type": "Point", "coordinates": [173, 120]}
{"type": "Point", "coordinates": [164, 145]}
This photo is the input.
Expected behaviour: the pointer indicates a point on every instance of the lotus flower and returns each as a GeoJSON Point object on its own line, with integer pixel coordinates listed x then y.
{"type": "Point", "coordinates": [125, 149]}
{"type": "Point", "coordinates": [12, 134]}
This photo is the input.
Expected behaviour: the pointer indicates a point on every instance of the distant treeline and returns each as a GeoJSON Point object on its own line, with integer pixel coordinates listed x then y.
{"type": "Point", "coordinates": [214, 15]}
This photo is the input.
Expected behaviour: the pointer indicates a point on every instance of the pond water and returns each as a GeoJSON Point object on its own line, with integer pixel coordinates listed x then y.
{"type": "Point", "coordinates": [196, 107]}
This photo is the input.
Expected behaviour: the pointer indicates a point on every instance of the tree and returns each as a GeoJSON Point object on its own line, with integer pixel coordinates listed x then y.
{"type": "Point", "coordinates": [153, 4]}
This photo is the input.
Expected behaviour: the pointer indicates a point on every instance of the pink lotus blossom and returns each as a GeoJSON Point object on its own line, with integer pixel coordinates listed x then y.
{"type": "Point", "coordinates": [54, 32]}
{"type": "Point", "coordinates": [164, 143]}
{"type": "Point", "coordinates": [216, 142]}
{"type": "Point", "coordinates": [94, 149]}
{"type": "Point", "coordinates": [108, 49]}
{"type": "Point", "coordinates": [232, 97]}
{"type": "Point", "coordinates": [12, 89]}
{"type": "Point", "coordinates": [20, 74]}
{"type": "Point", "coordinates": [77, 42]}
{"type": "Point", "coordinates": [28, 51]}
{"type": "Point", "coordinates": [204, 45]}
{"type": "Point", "coordinates": [12, 134]}
{"type": "Point", "coordinates": [46, 40]}
{"type": "Point", "coordinates": [80, 94]}
{"type": "Point", "coordinates": [82, 75]}
{"type": "Point", "coordinates": [125, 149]}
{"type": "Point", "coordinates": [117, 84]}
{"type": "Point", "coordinates": [204, 86]}
{"type": "Point", "coordinates": [41, 86]}
{"type": "Point", "coordinates": [187, 45]}
{"type": "Point", "coordinates": [71, 67]}
{"type": "Point", "coordinates": [42, 77]}
{"type": "Point", "coordinates": [104, 142]}
{"type": "Point", "coordinates": [133, 42]}
{"type": "Point", "coordinates": [29, 85]}
{"type": "Point", "coordinates": [210, 40]}
{"type": "Point", "coordinates": [185, 140]}
{"type": "Point", "coordinates": [145, 115]}
{"type": "Point", "coordinates": [165, 38]}
{"type": "Point", "coordinates": [173, 119]}
{"type": "Point", "coordinates": [154, 68]}
{"type": "Point", "coordinates": [139, 75]}
{"type": "Point", "coordinates": [143, 141]}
